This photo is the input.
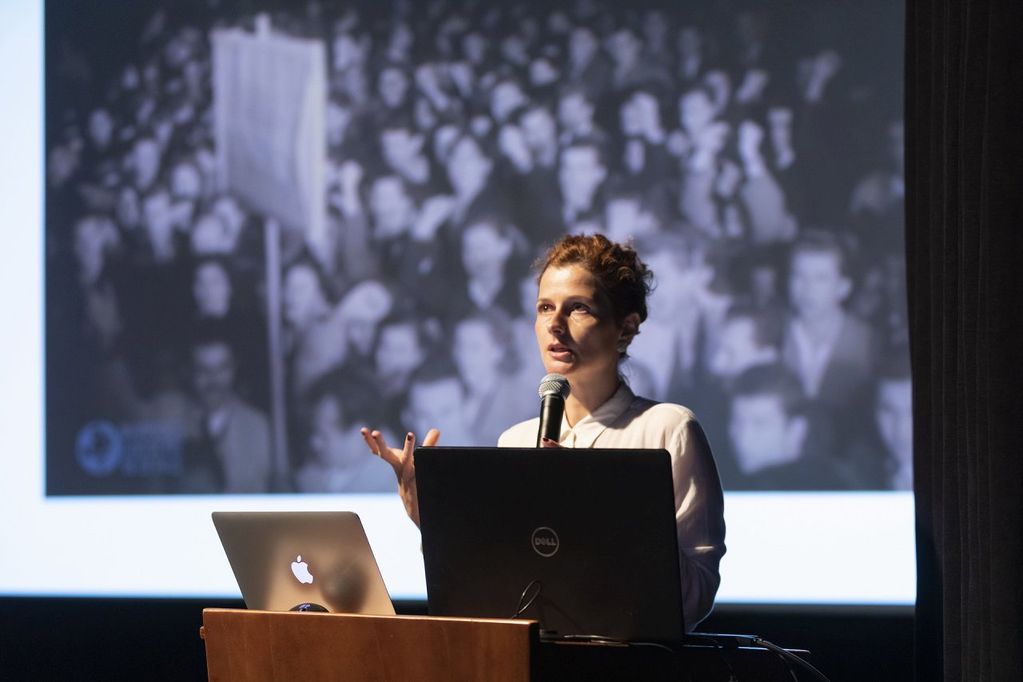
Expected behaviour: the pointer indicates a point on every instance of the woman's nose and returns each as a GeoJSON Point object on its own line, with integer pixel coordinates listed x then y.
{"type": "Point", "coordinates": [556, 323]}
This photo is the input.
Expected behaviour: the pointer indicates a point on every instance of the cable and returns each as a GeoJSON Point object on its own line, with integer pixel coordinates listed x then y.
{"type": "Point", "coordinates": [520, 609]}
{"type": "Point", "coordinates": [596, 639]}
{"type": "Point", "coordinates": [790, 656]}
{"type": "Point", "coordinates": [612, 641]}
{"type": "Point", "coordinates": [736, 641]}
{"type": "Point", "coordinates": [788, 665]}
{"type": "Point", "coordinates": [719, 647]}
{"type": "Point", "coordinates": [654, 645]}
{"type": "Point", "coordinates": [679, 659]}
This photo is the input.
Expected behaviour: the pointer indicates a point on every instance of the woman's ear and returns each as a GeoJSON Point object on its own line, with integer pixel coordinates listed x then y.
{"type": "Point", "coordinates": [630, 327]}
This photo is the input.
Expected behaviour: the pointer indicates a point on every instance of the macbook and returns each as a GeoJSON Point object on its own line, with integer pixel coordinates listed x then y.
{"type": "Point", "coordinates": [308, 561]}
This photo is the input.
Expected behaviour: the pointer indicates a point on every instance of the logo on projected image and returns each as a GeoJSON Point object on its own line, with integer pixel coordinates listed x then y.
{"type": "Point", "coordinates": [141, 449]}
{"type": "Point", "coordinates": [301, 570]}
{"type": "Point", "coordinates": [99, 448]}
{"type": "Point", "coordinates": [545, 541]}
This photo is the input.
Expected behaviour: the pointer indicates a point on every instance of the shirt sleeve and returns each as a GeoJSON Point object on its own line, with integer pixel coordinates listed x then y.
{"type": "Point", "coordinates": [699, 520]}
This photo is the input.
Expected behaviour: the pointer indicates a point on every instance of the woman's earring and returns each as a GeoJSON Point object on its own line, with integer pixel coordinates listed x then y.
{"type": "Point", "coordinates": [622, 347]}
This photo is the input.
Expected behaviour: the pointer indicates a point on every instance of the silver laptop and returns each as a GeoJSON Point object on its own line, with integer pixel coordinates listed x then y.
{"type": "Point", "coordinates": [304, 561]}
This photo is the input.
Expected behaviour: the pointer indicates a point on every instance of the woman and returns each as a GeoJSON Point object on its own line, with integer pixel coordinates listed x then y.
{"type": "Point", "coordinates": [591, 302]}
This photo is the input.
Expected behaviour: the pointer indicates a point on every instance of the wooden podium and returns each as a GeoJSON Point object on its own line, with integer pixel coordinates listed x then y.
{"type": "Point", "coordinates": [246, 645]}
{"type": "Point", "coordinates": [251, 646]}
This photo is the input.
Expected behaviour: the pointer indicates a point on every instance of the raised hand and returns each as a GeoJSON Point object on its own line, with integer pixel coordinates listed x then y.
{"type": "Point", "coordinates": [403, 462]}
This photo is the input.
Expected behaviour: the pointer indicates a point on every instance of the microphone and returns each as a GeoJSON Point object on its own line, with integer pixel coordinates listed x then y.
{"type": "Point", "coordinates": [553, 391]}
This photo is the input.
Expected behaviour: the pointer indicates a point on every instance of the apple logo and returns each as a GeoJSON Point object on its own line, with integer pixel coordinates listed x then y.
{"type": "Point", "coordinates": [301, 571]}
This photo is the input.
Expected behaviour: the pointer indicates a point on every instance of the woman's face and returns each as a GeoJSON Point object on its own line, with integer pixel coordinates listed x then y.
{"type": "Point", "coordinates": [575, 328]}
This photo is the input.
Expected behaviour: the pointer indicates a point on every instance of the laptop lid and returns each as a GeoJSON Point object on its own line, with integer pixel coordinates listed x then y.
{"type": "Point", "coordinates": [285, 559]}
{"type": "Point", "coordinates": [586, 537]}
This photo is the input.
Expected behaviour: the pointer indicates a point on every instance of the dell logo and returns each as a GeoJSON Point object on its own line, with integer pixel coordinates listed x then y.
{"type": "Point", "coordinates": [545, 541]}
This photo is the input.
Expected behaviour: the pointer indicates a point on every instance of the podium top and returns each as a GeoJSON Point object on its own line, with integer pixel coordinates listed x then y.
{"type": "Point", "coordinates": [273, 645]}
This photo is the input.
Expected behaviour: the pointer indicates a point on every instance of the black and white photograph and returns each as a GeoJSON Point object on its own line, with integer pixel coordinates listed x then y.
{"type": "Point", "coordinates": [269, 224]}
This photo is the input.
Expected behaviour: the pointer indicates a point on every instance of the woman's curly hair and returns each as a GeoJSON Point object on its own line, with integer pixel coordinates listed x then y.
{"type": "Point", "coordinates": [620, 274]}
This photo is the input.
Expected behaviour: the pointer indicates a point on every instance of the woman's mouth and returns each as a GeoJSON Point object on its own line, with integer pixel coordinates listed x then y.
{"type": "Point", "coordinates": [559, 352]}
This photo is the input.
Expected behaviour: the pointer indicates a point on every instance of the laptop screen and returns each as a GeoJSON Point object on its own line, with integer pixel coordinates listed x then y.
{"type": "Point", "coordinates": [582, 540]}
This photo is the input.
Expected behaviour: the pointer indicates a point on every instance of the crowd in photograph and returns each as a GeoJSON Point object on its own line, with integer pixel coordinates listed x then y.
{"type": "Point", "coordinates": [748, 151]}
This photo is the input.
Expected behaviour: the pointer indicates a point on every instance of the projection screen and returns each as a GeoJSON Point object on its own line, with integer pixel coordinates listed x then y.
{"type": "Point", "coordinates": [237, 233]}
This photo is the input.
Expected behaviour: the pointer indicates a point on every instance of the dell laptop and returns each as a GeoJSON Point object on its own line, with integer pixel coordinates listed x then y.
{"type": "Point", "coordinates": [304, 561]}
{"type": "Point", "coordinates": [582, 540]}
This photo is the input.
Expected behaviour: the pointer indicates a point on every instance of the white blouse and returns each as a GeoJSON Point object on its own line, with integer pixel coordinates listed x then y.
{"type": "Point", "coordinates": [628, 421]}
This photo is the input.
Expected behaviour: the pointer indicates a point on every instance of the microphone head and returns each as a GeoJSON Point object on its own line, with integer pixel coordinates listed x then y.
{"type": "Point", "coordinates": [554, 384]}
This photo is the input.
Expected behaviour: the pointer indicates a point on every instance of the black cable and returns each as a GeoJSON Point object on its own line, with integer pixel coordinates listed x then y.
{"type": "Point", "coordinates": [598, 639]}
{"type": "Point", "coordinates": [788, 665]}
{"type": "Point", "coordinates": [654, 645]}
{"type": "Point", "coordinates": [789, 656]}
{"type": "Point", "coordinates": [614, 641]}
{"type": "Point", "coordinates": [786, 656]}
{"type": "Point", "coordinates": [720, 648]}
{"type": "Point", "coordinates": [758, 641]}
{"type": "Point", "coordinates": [520, 609]}
{"type": "Point", "coordinates": [777, 651]}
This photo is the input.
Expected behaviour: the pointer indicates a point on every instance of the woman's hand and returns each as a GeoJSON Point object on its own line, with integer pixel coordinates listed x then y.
{"type": "Point", "coordinates": [404, 464]}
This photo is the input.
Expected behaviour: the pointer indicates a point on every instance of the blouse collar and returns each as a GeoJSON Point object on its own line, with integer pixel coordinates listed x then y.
{"type": "Point", "coordinates": [586, 431]}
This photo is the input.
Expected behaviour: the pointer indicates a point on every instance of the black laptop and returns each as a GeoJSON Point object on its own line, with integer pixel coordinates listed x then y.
{"type": "Point", "coordinates": [582, 540]}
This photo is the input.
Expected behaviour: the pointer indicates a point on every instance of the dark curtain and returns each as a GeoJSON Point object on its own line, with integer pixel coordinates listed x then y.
{"type": "Point", "coordinates": [964, 225]}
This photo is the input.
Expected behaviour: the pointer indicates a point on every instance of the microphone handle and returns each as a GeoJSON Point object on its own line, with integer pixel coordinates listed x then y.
{"type": "Point", "coordinates": [552, 407]}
